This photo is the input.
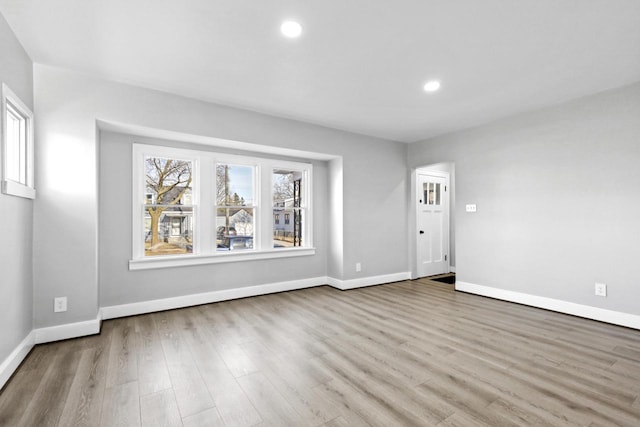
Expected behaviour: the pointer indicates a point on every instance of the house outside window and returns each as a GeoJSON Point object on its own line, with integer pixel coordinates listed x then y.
{"type": "Point", "coordinates": [168, 208]}
{"type": "Point", "coordinates": [289, 200]}
{"type": "Point", "coordinates": [196, 207]}
{"type": "Point", "coordinates": [235, 207]}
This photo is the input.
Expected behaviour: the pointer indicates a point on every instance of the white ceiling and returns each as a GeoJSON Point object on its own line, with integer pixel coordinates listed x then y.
{"type": "Point", "coordinates": [360, 64]}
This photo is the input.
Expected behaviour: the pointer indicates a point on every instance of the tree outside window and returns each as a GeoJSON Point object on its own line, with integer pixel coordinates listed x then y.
{"type": "Point", "coordinates": [168, 205]}
{"type": "Point", "coordinates": [212, 205]}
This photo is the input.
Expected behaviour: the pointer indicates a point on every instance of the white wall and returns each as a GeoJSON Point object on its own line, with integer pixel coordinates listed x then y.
{"type": "Point", "coordinates": [66, 216]}
{"type": "Point", "coordinates": [16, 216]}
{"type": "Point", "coordinates": [557, 193]}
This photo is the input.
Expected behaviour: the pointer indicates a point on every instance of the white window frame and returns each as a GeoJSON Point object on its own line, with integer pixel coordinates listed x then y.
{"type": "Point", "coordinates": [204, 208]}
{"type": "Point", "coordinates": [305, 205]}
{"type": "Point", "coordinates": [24, 189]}
{"type": "Point", "coordinates": [257, 197]}
{"type": "Point", "coordinates": [140, 151]}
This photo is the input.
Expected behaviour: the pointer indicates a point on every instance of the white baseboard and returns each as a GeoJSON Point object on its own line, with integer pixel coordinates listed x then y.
{"type": "Point", "coordinates": [90, 327]}
{"type": "Point", "coordinates": [115, 311]}
{"type": "Point", "coordinates": [452, 268]}
{"type": "Point", "coordinates": [344, 285]}
{"type": "Point", "coordinates": [132, 309]}
{"type": "Point", "coordinates": [11, 363]}
{"type": "Point", "coordinates": [589, 312]}
{"type": "Point", "coordinates": [66, 331]}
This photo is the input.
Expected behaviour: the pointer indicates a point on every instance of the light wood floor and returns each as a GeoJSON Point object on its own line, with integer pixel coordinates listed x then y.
{"type": "Point", "coordinates": [407, 353]}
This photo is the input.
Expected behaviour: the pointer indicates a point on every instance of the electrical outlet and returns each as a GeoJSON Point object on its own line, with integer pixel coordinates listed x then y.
{"type": "Point", "coordinates": [59, 304]}
{"type": "Point", "coordinates": [358, 267]}
{"type": "Point", "coordinates": [601, 289]}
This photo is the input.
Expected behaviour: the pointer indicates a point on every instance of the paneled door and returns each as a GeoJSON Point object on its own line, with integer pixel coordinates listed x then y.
{"type": "Point", "coordinates": [432, 201]}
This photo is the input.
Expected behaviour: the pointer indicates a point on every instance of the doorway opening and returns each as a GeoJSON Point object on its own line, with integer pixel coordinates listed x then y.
{"type": "Point", "coordinates": [448, 278]}
{"type": "Point", "coordinates": [434, 200]}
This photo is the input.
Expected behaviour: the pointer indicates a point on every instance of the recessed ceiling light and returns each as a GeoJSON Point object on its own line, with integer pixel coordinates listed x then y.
{"type": "Point", "coordinates": [432, 86]}
{"type": "Point", "coordinates": [291, 29]}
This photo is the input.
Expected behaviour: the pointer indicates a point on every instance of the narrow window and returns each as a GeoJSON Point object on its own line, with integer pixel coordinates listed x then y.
{"type": "Point", "coordinates": [168, 206]}
{"type": "Point", "coordinates": [288, 200]}
{"type": "Point", "coordinates": [17, 141]}
{"type": "Point", "coordinates": [235, 207]}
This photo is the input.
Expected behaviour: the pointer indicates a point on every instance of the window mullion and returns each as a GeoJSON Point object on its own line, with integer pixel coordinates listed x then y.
{"type": "Point", "coordinates": [204, 212]}
{"type": "Point", "coordinates": [244, 206]}
{"type": "Point", "coordinates": [266, 202]}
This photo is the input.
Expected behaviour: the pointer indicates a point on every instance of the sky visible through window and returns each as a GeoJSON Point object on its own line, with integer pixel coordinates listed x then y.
{"type": "Point", "coordinates": [241, 182]}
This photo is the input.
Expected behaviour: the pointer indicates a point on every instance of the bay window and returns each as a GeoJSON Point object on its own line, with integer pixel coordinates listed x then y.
{"type": "Point", "coordinates": [197, 207]}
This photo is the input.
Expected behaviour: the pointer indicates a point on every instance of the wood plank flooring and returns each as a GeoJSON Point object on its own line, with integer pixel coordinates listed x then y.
{"type": "Point", "coordinates": [402, 354]}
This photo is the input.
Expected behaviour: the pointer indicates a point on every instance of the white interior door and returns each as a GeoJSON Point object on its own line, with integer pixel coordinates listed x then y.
{"type": "Point", "coordinates": [432, 223]}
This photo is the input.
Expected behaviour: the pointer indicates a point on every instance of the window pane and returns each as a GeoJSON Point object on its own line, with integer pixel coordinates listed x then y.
{"type": "Point", "coordinates": [16, 163]}
{"type": "Point", "coordinates": [432, 193]}
{"type": "Point", "coordinates": [287, 227]}
{"type": "Point", "coordinates": [287, 212]}
{"type": "Point", "coordinates": [287, 188]}
{"type": "Point", "coordinates": [234, 229]}
{"type": "Point", "coordinates": [168, 230]}
{"type": "Point", "coordinates": [425, 191]}
{"type": "Point", "coordinates": [234, 185]}
{"type": "Point", "coordinates": [429, 193]}
{"type": "Point", "coordinates": [168, 181]}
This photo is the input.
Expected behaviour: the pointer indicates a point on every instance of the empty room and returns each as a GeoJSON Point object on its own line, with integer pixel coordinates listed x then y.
{"type": "Point", "coordinates": [335, 213]}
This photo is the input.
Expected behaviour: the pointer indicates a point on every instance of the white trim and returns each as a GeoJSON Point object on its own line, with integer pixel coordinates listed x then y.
{"type": "Point", "coordinates": [11, 363]}
{"type": "Point", "coordinates": [589, 312]}
{"type": "Point", "coordinates": [446, 234]}
{"type": "Point", "coordinates": [139, 151]}
{"type": "Point", "coordinates": [90, 327]}
{"type": "Point", "coordinates": [452, 269]}
{"type": "Point", "coordinates": [147, 132]}
{"type": "Point", "coordinates": [66, 331]}
{"type": "Point", "coordinates": [115, 311]}
{"type": "Point", "coordinates": [204, 166]}
{"type": "Point", "coordinates": [187, 260]}
{"type": "Point", "coordinates": [10, 187]}
{"type": "Point", "coordinates": [305, 207]}
{"type": "Point", "coordinates": [17, 189]}
{"type": "Point", "coordinates": [344, 285]}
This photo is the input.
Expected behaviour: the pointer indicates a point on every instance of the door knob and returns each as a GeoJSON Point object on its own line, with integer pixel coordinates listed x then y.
{"type": "Point", "coordinates": [421, 231]}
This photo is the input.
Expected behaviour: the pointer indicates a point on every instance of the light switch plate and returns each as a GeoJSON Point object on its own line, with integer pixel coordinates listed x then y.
{"type": "Point", "coordinates": [472, 208]}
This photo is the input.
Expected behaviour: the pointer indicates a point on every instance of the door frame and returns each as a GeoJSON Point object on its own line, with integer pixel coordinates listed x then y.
{"type": "Point", "coordinates": [433, 170]}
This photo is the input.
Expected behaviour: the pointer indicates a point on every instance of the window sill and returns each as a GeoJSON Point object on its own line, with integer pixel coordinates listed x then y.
{"type": "Point", "coordinates": [16, 189]}
{"type": "Point", "coordinates": [188, 260]}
